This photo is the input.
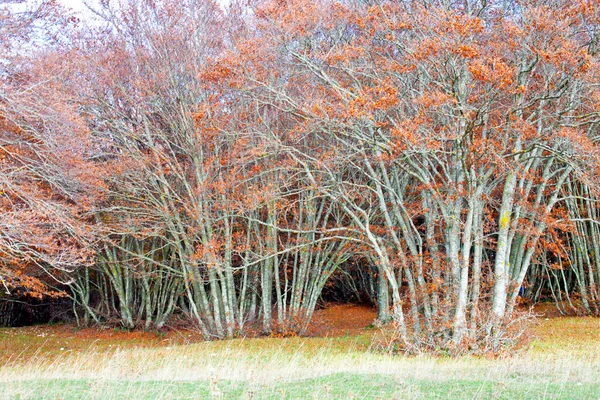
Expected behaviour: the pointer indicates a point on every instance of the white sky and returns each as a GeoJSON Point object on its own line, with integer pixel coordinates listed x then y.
{"type": "Point", "coordinates": [76, 5]}
{"type": "Point", "coordinates": [80, 9]}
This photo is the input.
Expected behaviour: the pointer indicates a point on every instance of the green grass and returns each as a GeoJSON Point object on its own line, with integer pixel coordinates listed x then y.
{"type": "Point", "coordinates": [334, 386]}
{"type": "Point", "coordinates": [59, 363]}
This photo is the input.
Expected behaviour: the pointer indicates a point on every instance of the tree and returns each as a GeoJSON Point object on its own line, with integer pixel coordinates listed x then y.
{"type": "Point", "coordinates": [47, 183]}
{"type": "Point", "coordinates": [425, 123]}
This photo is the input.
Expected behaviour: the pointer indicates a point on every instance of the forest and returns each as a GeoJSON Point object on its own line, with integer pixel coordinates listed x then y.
{"type": "Point", "coordinates": [232, 167]}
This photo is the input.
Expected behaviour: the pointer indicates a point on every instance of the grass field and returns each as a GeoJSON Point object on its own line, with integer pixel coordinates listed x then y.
{"type": "Point", "coordinates": [61, 362]}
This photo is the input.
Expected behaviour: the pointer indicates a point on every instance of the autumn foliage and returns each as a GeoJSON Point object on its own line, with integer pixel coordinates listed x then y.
{"type": "Point", "coordinates": [218, 165]}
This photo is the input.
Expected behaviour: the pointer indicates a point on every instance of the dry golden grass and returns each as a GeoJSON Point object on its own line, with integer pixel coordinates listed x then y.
{"type": "Point", "coordinates": [566, 351]}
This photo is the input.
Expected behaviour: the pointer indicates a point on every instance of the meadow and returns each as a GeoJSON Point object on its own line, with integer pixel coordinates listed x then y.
{"type": "Point", "coordinates": [561, 361]}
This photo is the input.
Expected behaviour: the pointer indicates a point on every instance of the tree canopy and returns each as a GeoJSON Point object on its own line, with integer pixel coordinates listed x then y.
{"type": "Point", "coordinates": [221, 164]}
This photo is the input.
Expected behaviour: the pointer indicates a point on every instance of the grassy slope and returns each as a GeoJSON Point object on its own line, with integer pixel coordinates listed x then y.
{"type": "Point", "coordinates": [59, 362]}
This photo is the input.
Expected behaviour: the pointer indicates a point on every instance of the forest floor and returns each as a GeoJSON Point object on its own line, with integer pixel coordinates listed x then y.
{"type": "Point", "coordinates": [562, 361]}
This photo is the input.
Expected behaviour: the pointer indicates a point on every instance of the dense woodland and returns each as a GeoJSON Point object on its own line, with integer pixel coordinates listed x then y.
{"type": "Point", "coordinates": [224, 166]}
